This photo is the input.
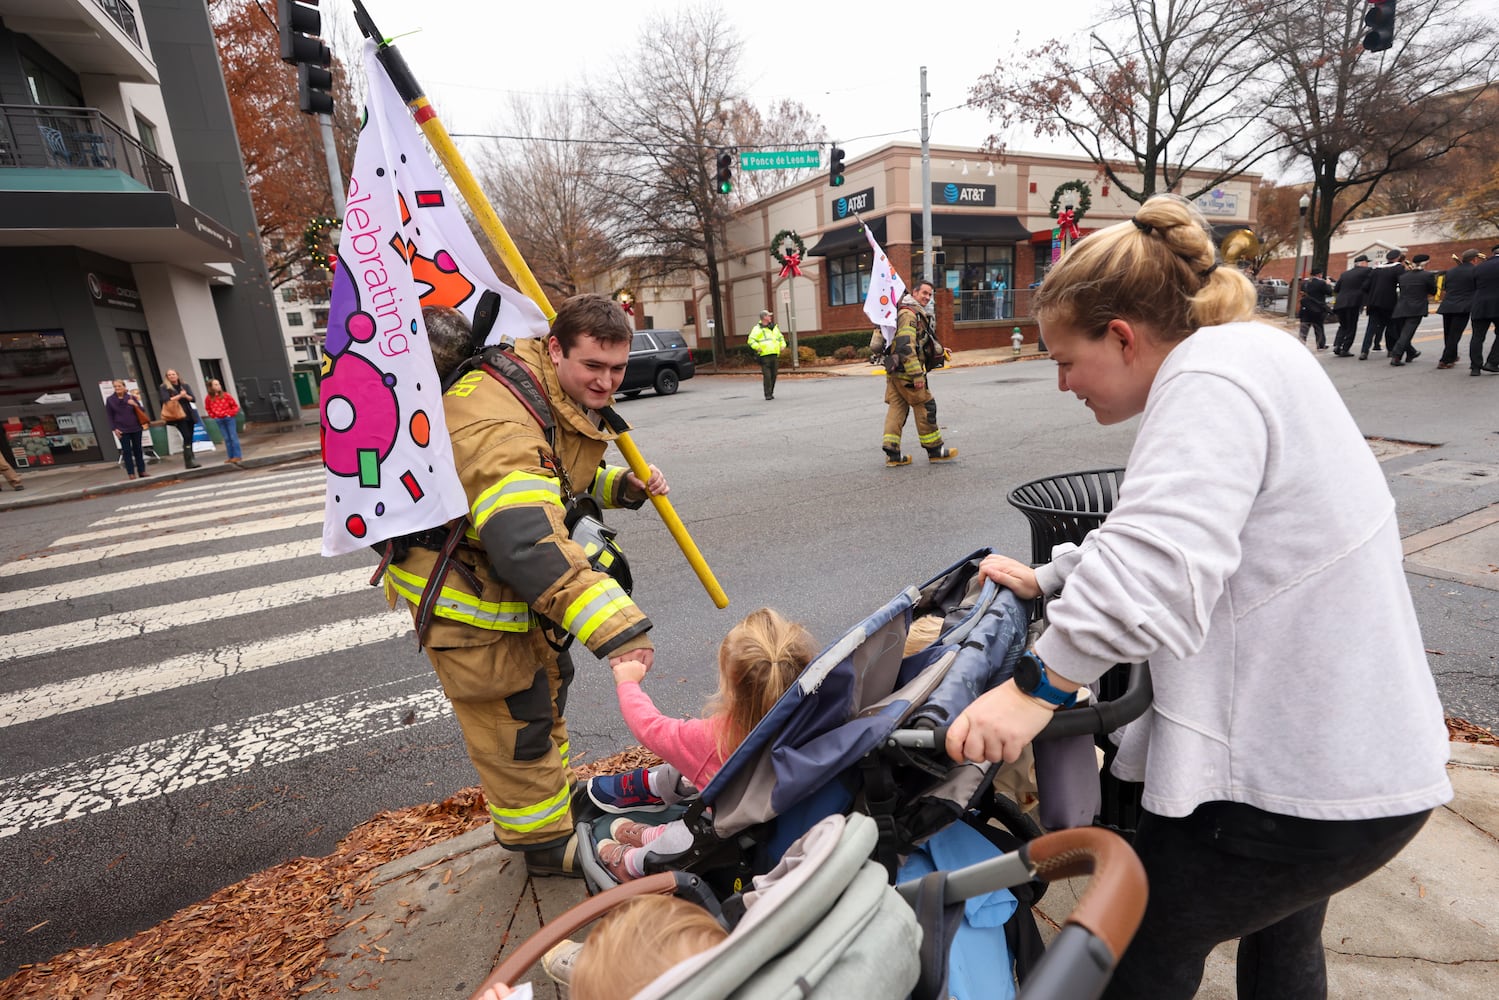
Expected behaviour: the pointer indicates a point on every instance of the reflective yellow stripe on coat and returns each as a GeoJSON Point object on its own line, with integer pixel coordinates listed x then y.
{"type": "Point", "coordinates": [532, 817]}
{"type": "Point", "coordinates": [516, 488]}
{"type": "Point", "coordinates": [498, 616]}
{"type": "Point", "coordinates": [593, 607]}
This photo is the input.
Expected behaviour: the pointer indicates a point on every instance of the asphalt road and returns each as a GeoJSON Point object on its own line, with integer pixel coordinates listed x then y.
{"type": "Point", "coordinates": [158, 742]}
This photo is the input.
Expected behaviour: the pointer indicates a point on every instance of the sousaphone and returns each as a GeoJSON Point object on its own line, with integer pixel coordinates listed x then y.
{"type": "Point", "coordinates": [1237, 244]}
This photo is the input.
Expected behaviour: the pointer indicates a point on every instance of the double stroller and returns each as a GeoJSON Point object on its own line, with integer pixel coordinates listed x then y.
{"type": "Point", "coordinates": [805, 843]}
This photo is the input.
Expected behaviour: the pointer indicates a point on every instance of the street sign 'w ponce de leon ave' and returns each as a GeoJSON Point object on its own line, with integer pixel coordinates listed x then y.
{"type": "Point", "coordinates": [785, 159]}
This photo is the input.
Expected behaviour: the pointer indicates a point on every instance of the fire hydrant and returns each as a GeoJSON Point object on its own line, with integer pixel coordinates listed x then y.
{"type": "Point", "coordinates": [1016, 340]}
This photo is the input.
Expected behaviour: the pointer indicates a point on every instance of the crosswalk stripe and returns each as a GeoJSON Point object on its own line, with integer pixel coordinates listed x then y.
{"type": "Point", "coordinates": [216, 533]}
{"type": "Point", "coordinates": [161, 767]}
{"type": "Point", "coordinates": [153, 512]}
{"type": "Point", "coordinates": [210, 607]}
{"type": "Point", "coordinates": [182, 519]}
{"type": "Point", "coordinates": [171, 497]}
{"type": "Point", "coordinates": [91, 586]}
{"type": "Point", "coordinates": [110, 687]}
{"type": "Point", "coordinates": [306, 474]}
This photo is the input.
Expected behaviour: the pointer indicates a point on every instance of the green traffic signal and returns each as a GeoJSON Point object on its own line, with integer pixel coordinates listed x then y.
{"type": "Point", "coordinates": [725, 174]}
{"type": "Point", "coordinates": [835, 167]}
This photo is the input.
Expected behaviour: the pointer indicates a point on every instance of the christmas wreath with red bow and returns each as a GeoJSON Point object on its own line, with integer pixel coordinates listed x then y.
{"type": "Point", "coordinates": [1081, 203]}
{"type": "Point", "coordinates": [312, 239]}
{"type": "Point", "coordinates": [790, 260]}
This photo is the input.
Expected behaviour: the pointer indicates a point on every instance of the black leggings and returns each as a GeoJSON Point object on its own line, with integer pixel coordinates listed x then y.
{"type": "Point", "coordinates": [1251, 875]}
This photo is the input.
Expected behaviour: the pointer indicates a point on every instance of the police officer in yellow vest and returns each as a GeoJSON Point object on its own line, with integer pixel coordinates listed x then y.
{"type": "Point", "coordinates": [519, 587]}
{"type": "Point", "coordinates": [766, 341]}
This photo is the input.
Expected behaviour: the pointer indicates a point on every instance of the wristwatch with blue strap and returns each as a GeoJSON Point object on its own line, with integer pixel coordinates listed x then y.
{"type": "Point", "coordinates": [1031, 679]}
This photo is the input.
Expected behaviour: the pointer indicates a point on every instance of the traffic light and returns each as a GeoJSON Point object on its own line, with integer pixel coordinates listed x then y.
{"type": "Point", "coordinates": [835, 167]}
{"type": "Point", "coordinates": [299, 25]}
{"type": "Point", "coordinates": [1380, 20]}
{"type": "Point", "coordinates": [725, 172]}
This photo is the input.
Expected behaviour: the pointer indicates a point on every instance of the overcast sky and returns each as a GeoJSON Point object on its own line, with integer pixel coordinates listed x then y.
{"type": "Point", "coordinates": [854, 65]}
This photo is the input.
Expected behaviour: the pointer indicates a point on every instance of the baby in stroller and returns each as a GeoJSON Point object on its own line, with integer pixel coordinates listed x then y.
{"type": "Point", "coordinates": [758, 661]}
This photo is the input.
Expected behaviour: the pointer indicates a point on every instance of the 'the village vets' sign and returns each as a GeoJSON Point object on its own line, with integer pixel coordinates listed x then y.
{"type": "Point", "coordinates": [1218, 202]}
{"type": "Point", "coordinates": [845, 206]}
{"type": "Point", "coordinates": [963, 194]}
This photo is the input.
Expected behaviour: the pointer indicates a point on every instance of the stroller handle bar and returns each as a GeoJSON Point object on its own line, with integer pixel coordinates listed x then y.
{"type": "Point", "coordinates": [1093, 717]}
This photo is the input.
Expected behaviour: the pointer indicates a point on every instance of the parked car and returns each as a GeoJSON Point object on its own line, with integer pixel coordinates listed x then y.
{"type": "Point", "coordinates": [659, 359]}
{"type": "Point", "coordinates": [1273, 288]}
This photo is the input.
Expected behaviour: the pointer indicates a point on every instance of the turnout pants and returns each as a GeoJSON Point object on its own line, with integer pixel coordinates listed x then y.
{"type": "Point", "coordinates": [509, 697]}
{"type": "Point", "coordinates": [901, 397]}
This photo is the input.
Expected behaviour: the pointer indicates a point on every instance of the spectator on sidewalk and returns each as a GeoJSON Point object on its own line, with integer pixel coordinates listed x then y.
{"type": "Point", "coordinates": [222, 409]}
{"type": "Point", "coordinates": [11, 475]}
{"type": "Point", "coordinates": [129, 421]}
{"type": "Point", "coordinates": [1268, 784]}
{"type": "Point", "coordinates": [766, 341]}
{"type": "Point", "coordinates": [180, 395]}
{"type": "Point", "coordinates": [1455, 304]}
{"type": "Point", "coordinates": [1350, 294]}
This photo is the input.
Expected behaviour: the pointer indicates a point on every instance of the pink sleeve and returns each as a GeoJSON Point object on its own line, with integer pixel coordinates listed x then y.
{"type": "Point", "coordinates": [686, 744]}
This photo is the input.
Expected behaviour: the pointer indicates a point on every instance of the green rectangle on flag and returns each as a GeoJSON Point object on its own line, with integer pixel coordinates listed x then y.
{"type": "Point", "coordinates": [784, 159]}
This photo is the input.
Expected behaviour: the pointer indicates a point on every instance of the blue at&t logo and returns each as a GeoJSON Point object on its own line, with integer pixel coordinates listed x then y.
{"type": "Point", "coordinates": [951, 194]}
{"type": "Point", "coordinates": [841, 207]}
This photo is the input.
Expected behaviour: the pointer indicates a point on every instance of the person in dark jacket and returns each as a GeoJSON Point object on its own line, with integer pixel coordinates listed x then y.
{"type": "Point", "coordinates": [127, 418]}
{"type": "Point", "coordinates": [1381, 303]}
{"type": "Point", "coordinates": [1456, 303]}
{"type": "Point", "coordinates": [1415, 289]}
{"type": "Point", "coordinates": [1351, 293]}
{"type": "Point", "coordinates": [175, 388]}
{"type": "Point", "coordinates": [1313, 310]}
{"type": "Point", "coordinates": [1485, 313]}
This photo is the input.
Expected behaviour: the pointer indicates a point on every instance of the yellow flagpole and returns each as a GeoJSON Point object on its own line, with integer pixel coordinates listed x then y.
{"type": "Point", "coordinates": [468, 187]}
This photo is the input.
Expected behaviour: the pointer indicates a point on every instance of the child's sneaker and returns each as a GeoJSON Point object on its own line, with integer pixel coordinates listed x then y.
{"type": "Point", "coordinates": [628, 792]}
{"type": "Point", "coordinates": [559, 962]}
{"type": "Point", "coordinates": [612, 856]}
{"type": "Point", "coordinates": [635, 834]}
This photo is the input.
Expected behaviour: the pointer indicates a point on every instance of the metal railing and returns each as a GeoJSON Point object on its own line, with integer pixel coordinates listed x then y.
{"type": "Point", "coordinates": [983, 304]}
{"type": "Point", "coordinates": [121, 13]}
{"type": "Point", "coordinates": [78, 139]}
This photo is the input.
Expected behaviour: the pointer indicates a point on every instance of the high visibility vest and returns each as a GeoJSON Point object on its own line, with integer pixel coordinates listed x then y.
{"type": "Point", "coordinates": [767, 340]}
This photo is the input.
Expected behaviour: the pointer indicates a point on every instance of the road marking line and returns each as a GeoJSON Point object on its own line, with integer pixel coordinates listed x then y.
{"type": "Point", "coordinates": [217, 533]}
{"type": "Point", "coordinates": [91, 586]}
{"type": "Point", "coordinates": [161, 767]}
{"type": "Point", "coordinates": [173, 492]}
{"type": "Point", "coordinates": [154, 511]}
{"type": "Point", "coordinates": [194, 611]}
{"type": "Point", "coordinates": [113, 686]}
{"type": "Point", "coordinates": [184, 519]}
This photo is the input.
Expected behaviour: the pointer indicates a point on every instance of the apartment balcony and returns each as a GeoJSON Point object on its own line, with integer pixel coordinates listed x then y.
{"type": "Point", "coordinates": [75, 149]}
{"type": "Point", "coordinates": [91, 36]}
{"type": "Point", "coordinates": [72, 177]}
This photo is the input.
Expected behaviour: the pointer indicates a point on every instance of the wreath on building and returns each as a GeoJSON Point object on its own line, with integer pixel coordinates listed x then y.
{"type": "Point", "coordinates": [625, 299]}
{"type": "Point", "coordinates": [778, 244]}
{"type": "Point", "coordinates": [1081, 203]}
{"type": "Point", "coordinates": [312, 238]}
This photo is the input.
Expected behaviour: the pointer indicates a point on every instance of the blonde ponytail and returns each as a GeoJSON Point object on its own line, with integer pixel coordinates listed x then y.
{"type": "Point", "coordinates": [758, 661]}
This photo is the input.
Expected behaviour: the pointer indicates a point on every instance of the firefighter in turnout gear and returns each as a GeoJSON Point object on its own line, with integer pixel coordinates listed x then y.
{"type": "Point", "coordinates": [906, 382]}
{"type": "Point", "coordinates": [528, 444]}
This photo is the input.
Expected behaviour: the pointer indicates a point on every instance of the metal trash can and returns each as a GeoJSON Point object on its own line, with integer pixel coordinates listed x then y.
{"type": "Point", "coordinates": [1065, 508]}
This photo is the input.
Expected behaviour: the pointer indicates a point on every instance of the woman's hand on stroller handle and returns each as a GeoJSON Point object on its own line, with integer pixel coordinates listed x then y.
{"type": "Point", "coordinates": [997, 725]}
{"type": "Point", "coordinates": [1015, 576]}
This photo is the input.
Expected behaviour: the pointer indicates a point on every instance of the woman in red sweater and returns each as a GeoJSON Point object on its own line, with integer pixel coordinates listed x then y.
{"type": "Point", "coordinates": [222, 409]}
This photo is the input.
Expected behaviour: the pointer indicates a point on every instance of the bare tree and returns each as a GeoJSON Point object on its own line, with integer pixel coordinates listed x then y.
{"type": "Point", "coordinates": [786, 124]}
{"type": "Point", "coordinates": [1275, 222]}
{"type": "Point", "coordinates": [547, 190]}
{"type": "Point", "coordinates": [668, 114]}
{"type": "Point", "coordinates": [1165, 86]}
{"type": "Point", "coordinates": [1359, 119]}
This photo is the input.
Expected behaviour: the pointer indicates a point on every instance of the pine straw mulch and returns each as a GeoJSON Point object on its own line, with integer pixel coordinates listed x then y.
{"type": "Point", "coordinates": [265, 938]}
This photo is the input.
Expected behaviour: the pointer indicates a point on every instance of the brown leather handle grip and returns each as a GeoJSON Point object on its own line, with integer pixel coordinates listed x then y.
{"type": "Point", "coordinates": [1114, 902]}
{"type": "Point", "coordinates": [519, 962]}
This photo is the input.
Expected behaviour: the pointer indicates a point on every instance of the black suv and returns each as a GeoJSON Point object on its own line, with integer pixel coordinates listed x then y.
{"type": "Point", "coordinates": [659, 359]}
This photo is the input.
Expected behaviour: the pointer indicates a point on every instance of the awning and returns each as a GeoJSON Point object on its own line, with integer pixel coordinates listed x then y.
{"type": "Point", "coordinates": [848, 239]}
{"type": "Point", "coordinates": [985, 228]}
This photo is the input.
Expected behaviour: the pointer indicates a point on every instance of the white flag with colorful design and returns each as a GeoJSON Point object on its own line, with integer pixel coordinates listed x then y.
{"type": "Point", "coordinates": [404, 245]}
{"type": "Point", "coordinates": [885, 291]}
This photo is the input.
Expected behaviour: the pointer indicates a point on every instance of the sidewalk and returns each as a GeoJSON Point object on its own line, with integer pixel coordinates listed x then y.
{"type": "Point", "coordinates": [434, 924]}
{"type": "Point", "coordinates": [263, 445]}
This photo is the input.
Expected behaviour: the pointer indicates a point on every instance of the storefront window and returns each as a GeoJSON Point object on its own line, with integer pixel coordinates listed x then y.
{"type": "Point", "coordinates": [43, 411]}
{"type": "Point", "coordinates": [975, 273]}
{"type": "Point", "coordinates": [848, 278]}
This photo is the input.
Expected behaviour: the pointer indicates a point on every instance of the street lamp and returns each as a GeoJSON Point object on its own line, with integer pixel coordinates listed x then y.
{"type": "Point", "coordinates": [1302, 205]}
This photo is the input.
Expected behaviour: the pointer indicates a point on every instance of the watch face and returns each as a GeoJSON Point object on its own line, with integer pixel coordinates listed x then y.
{"type": "Point", "coordinates": [1027, 673]}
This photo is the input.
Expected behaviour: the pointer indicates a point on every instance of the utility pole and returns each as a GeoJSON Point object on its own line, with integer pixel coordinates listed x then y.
{"type": "Point", "coordinates": [926, 186]}
{"type": "Point", "coordinates": [335, 176]}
